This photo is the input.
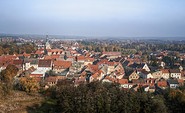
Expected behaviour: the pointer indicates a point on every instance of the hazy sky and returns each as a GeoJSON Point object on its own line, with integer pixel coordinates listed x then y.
{"type": "Point", "coordinates": [127, 18]}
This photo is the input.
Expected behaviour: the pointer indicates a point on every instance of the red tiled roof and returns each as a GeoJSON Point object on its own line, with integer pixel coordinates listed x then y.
{"type": "Point", "coordinates": [95, 75]}
{"type": "Point", "coordinates": [52, 57]}
{"type": "Point", "coordinates": [122, 81]}
{"type": "Point", "coordinates": [26, 55]}
{"type": "Point", "coordinates": [44, 63]}
{"type": "Point", "coordinates": [62, 64]}
{"type": "Point", "coordinates": [38, 79]}
{"type": "Point", "coordinates": [88, 59]}
{"type": "Point", "coordinates": [39, 52]}
{"type": "Point", "coordinates": [105, 61]}
{"type": "Point", "coordinates": [144, 71]}
{"type": "Point", "coordinates": [80, 58]}
{"type": "Point", "coordinates": [17, 62]}
{"type": "Point", "coordinates": [93, 68]}
{"type": "Point", "coordinates": [36, 75]}
{"type": "Point", "coordinates": [181, 81]}
{"type": "Point", "coordinates": [55, 50]}
{"type": "Point", "coordinates": [6, 58]}
{"type": "Point", "coordinates": [51, 79]}
{"type": "Point", "coordinates": [162, 83]}
{"type": "Point", "coordinates": [174, 71]}
{"type": "Point", "coordinates": [165, 70]}
{"type": "Point", "coordinates": [110, 79]}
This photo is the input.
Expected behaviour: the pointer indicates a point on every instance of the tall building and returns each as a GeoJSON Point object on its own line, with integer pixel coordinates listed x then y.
{"type": "Point", "coordinates": [47, 45]}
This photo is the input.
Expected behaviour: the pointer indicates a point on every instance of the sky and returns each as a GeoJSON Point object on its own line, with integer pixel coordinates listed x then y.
{"type": "Point", "coordinates": [113, 18]}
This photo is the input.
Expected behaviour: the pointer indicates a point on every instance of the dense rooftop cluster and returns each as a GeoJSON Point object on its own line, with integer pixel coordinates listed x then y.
{"type": "Point", "coordinates": [54, 61]}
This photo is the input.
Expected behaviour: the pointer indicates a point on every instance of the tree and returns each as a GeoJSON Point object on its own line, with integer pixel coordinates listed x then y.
{"type": "Point", "coordinates": [28, 84]}
{"type": "Point", "coordinates": [7, 76]}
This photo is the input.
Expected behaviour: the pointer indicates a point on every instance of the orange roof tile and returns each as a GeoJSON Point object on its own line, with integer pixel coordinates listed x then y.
{"type": "Point", "coordinates": [52, 57]}
{"type": "Point", "coordinates": [51, 79]}
{"type": "Point", "coordinates": [39, 52]}
{"type": "Point", "coordinates": [162, 83]}
{"type": "Point", "coordinates": [93, 68]}
{"type": "Point", "coordinates": [88, 59]}
{"type": "Point", "coordinates": [80, 58]}
{"type": "Point", "coordinates": [36, 75]}
{"type": "Point", "coordinates": [44, 63]}
{"type": "Point", "coordinates": [165, 70]}
{"type": "Point", "coordinates": [110, 79]}
{"type": "Point", "coordinates": [62, 64]}
{"type": "Point", "coordinates": [17, 62]}
{"type": "Point", "coordinates": [180, 81]}
{"type": "Point", "coordinates": [122, 81]}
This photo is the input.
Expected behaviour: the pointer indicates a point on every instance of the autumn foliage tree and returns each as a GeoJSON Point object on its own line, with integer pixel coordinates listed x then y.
{"type": "Point", "coordinates": [28, 84]}
{"type": "Point", "coordinates": [7, 76]}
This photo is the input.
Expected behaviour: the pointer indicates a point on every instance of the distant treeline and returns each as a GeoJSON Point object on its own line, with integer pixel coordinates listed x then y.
{"type": "Point", "coordinates": [14, 48]}
{"type": "Point", "coordinates": [133, 46]}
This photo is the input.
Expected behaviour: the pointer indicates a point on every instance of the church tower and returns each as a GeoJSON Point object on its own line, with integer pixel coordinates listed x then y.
{"type": "Point", "coordinates": [47, 45]}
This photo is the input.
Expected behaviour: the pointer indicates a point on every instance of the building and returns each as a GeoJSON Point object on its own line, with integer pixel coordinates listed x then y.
{"type": "Point", "coordinates": [175, 73]}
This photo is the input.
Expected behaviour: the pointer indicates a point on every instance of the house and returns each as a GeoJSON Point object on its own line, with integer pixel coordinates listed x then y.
{"type": "Point", "coordinates": [80, 59]}
{"type": "Point", "coordinates": [144, 74]}
{"type": "Point", "coordinates": [88, 60]}
{"type": "Point", "coordinates": [59, 66]}
{"type": "Point", "coordinates": [75, 67]}
{"type": "Point", "coordinates": [173, 83]}
{"type": "Point", "coordinates": [45, 64]}
{"type": "Point", "coordinates": [181, 82]}
{"type": "Point", "coordinates": [111, 55]}
{"type": "Point", "coordinates": [51, 52]}
{"type": "Point", "coordinates": [150, 81]}
{"type": "Point", "coordinates": [140, 66]}
{"type": "Point", "coordinates": [148, 88]}
{"type": "Point", "coordinates": [133, 76]}
{"type": "Point", "coordinates": [109, 79]}
{"type": "Point", "coordinates": [119, 71]}
{"type": "Point", "coordinates": [183, 74]}
{"type": "Point", "coordinates": [123, 83]}
{"type": "Point", "coordinates": [5, 60]}
{"type": "Point", "coordinates": [26, 65]}
{"type": "Point", "coordinates": [34, 63]}
{"type": "Point", "coordinates": [92, 68]}
{"type": "Point", "coordinates": [30, 62]}
{"type": "Point", "coordinates": [157, 74]}
{"type": "Point", "coordinates": [36, 75]}
{"type": "Point", "coordinates": [43, 67]}
{"type": "Point", "coordinates": [139, 82]}
{"type": "Point", "coordinates": [145, 67]}
{"type": "Point", "coordinates": [38, 72]}
{"type": "Point", "coordinates": [162, 64]}
{"type": "Point", "coordinates": [24, 55]}
{"type": "Point", "coordinates": [165, 73]}
{"type": "Point", "coordinates": [175, 73]}
{"type": "Point", "coordinates": [97, 76]}
{"type": "Point", "coordinates": [18, 63]}
{"type": "Point", "coordinates": [162, 84]}
{"type": "Point", "coordinates": [52, 57]}
{"type": "Point", "coordinates": [51, 80]}
{"type": "Point", "coordinates": [112, 67]}
{"type": "Point", "coordinates": [79, 80]}
{"type": "Point", "coordinates": [39, 53]}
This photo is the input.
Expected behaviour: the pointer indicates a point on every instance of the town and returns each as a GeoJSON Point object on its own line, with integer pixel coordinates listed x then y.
{"type": "Point", "coordinates": [92, 56]}
{"type": "Point", "coordinates": [52, 61]}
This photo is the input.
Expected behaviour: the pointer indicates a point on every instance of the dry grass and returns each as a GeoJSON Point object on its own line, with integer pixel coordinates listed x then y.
{"type": "Point", "coordinates": [18, 102]}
